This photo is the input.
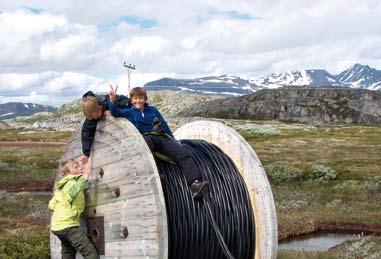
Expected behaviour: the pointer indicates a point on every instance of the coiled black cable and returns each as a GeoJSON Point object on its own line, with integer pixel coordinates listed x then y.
{"type": "Point", "coordinates": [224, 217]}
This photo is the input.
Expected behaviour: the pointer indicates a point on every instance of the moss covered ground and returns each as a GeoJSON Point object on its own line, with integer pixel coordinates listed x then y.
{"type": "Point", "coordinates": [345, 195]}
{"type": "Point", "coordinates": [323, 178]}
{"type": "Point", "coordinates": [33, 135]}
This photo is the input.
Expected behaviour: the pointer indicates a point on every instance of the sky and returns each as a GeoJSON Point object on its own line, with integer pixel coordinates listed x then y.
{"type": "Point", "coordinates": [53, 51]}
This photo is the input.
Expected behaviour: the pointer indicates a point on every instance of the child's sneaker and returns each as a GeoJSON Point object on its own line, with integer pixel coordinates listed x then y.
{"type": "Point", "coordinates": [199, 188]}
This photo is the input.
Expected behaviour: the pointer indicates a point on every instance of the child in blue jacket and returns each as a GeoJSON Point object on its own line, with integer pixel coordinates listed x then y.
{"type": "Point", "coordinates": [145, 117]}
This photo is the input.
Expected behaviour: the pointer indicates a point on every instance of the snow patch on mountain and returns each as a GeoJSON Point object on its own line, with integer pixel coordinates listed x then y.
{"type": "Point", "coordinates": [357, 76]}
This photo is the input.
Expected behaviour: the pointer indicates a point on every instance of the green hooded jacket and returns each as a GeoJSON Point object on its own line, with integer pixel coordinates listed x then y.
{"type": "Point", "coordinates": [68, 202]}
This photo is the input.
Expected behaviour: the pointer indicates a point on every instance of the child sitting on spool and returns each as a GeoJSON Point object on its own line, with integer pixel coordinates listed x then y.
{"type": "Point", "coordinates": [67, 205]}
{"type": "Point", "coordinates": [158, 136]}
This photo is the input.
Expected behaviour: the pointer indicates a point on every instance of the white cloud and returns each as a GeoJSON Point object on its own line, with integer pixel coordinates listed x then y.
{"type": "Point", "coordinates": [48, 87]}
{"type": "Point", "coordinates": [58, 48]}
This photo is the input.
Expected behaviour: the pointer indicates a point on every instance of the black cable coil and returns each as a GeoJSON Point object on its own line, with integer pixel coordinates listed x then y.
{"type": "Point", "coordinates": [221, 225]}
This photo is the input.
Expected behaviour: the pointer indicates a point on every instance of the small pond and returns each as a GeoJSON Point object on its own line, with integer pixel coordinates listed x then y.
{"type": "Point", "coordinates": [318, 242]}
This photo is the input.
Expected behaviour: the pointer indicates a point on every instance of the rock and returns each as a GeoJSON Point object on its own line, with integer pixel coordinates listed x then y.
{"type": "Point", "coordinates": [307, 105]}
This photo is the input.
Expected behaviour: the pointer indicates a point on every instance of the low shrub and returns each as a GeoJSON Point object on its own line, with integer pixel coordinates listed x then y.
{"type": "Point", "coordinates": [334, 204]}
{"type": "Point", "coordinates": [323, 174]}
{"type": "Point", "coordinates": [292, 205]}
{"type": "Point", "coordinates": [283, 174]}
{"type": "Point", "coordinates": [361, 248]}
{"type": "Point", "coordinates": [314, 174]}
{"type": "Point", "coordinates": [32, 242]}
{"type": "Point", "coordinates": [373, 184]}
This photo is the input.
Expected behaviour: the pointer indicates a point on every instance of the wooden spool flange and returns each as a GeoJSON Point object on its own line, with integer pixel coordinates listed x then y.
{"type": "Point", "coordinates": [250, 168]}
{"type": "Point", "coordinates": [125, 188]}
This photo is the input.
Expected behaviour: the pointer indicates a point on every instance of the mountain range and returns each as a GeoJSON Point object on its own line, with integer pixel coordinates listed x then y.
{"type": "Point", "coordinates": [357, 76]}
{"type": "Point", "coordinates": [14, 109]}
{"type": "Point", "coordinates": [312, 105]}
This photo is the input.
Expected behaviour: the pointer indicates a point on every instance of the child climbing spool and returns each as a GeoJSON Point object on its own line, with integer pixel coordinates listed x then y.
{"type": "Point", "coordinates": [126, 210]}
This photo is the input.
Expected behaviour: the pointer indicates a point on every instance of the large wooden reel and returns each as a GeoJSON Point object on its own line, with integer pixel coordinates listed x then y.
{"type": "Point", "coordinates": [125, 194]}
{"type": "Point", "coordinates": [250, 168]}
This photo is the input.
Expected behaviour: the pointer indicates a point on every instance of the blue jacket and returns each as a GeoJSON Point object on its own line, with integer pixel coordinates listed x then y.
{"type": "Point", "coordinates": [143, 120]}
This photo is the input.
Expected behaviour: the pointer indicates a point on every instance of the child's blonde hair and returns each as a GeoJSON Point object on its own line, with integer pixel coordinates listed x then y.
{"type": "Point", "coordinates": [67, 165]}
{"type": "Point", "coordinates": [90, 105]}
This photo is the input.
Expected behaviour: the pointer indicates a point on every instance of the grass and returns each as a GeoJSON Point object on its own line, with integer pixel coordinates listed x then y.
{"type": "Point", "coordinates": [26, 207]}
{"type": "Point", "coordinates": [23, 226]}
{"type": "Point", "coordinates": [348, 196]}
{"type": "Point", "coordinates": [38, 135]}
{"type": "Point", "coordinates": [349, 200]}
{"type": "Point", "coordinates": [28, 164]}
{"type": "Point", "coordinates": [353, 151]}
{"type": "Point", "coordinates": [26, 241]}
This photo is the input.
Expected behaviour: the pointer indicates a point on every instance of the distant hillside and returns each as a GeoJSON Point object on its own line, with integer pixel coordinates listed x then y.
{"type": "Point", "coordinates": [14, 109]}
{"type": "Point", "coordinates": [357, 76]}
{"type": "Point", "coordinates": [309, 105]}
{"type": "Point", "coordinates": [295, 104]}
{"type": "Point", "coordinates": [69, 115]}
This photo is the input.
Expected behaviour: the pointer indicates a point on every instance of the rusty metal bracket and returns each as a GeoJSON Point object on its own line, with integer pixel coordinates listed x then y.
{"type": "Point", "coordinates": [117, 192]}
{"type": "Point", "coordinates": [95, 231]}
{"type": "Point", "coordinates": [101, 172]}
{"type": "Point", "coordinates": [124, 233]}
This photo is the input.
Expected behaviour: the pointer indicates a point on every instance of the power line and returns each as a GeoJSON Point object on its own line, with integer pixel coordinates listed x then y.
{"type": "Point", "coordinates": [129, 67]}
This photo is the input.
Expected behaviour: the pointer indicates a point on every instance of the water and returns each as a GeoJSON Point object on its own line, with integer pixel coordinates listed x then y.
{"type": "Point", "coordinates": [320, 242]}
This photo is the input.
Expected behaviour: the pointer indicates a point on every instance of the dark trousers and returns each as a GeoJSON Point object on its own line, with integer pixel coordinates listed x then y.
{"type": "Point", "coordinates": [72, 240]}
{"type": "Point", "coordinates": [177, 152]}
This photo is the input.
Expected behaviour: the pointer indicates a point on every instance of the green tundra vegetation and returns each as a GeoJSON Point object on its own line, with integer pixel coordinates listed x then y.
{"type": "Point", "coordinates": [20, 165]}
{"type": "Point", "coordinates": [322, 178]}
{"type": "Point", "coordinates": [33, 135]}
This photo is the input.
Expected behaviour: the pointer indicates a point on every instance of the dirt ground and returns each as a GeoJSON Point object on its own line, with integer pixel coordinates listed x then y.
{"type": "Point", "coordinates": [31, 144]}
{"type": "Point", "coordinates": [28, 187]}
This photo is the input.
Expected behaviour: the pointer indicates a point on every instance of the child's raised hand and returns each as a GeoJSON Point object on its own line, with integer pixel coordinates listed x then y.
{"type": "Point", "coordinates": [112, 93]}
{"type": "Point", "coordinates": [86, 170]}
{"type": "Point", "coordinates": [84, 159]}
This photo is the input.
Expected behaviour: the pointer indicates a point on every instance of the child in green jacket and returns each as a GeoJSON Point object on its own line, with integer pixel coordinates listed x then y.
{"type": "Point", "coordinates": [67, 205]}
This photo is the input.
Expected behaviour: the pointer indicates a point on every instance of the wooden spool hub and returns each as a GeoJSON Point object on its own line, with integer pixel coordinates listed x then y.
{"type": "Point", "coordinates": [125, 208]}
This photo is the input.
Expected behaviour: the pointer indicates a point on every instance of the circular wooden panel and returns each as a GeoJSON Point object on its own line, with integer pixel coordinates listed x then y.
{"type": "Point", "coordinates": [124, 188]}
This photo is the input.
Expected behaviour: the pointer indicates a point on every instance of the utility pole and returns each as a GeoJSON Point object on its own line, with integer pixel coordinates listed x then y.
{"type": "Point", "coordinates": [129, 67]}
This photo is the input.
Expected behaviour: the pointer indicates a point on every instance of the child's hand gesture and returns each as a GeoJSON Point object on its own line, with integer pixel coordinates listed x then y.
{"type": "Point", "coordinates": [112, 93]}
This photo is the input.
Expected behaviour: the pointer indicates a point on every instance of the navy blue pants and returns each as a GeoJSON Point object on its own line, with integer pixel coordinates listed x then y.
{"type": "Point", "coordinates": [177, 152]}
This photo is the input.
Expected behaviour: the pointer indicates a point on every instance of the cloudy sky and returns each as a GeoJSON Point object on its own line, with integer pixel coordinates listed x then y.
{"type": "Point", "coordinates": [53, 51]}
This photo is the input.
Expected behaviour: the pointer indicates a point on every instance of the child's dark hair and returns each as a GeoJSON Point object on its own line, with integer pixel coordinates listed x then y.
{"type": "Point", "coordinates": [138, 91]}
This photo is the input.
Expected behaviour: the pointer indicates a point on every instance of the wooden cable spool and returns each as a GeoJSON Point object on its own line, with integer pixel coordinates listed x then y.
{"type": "Point", "coordinates": [125, 208]}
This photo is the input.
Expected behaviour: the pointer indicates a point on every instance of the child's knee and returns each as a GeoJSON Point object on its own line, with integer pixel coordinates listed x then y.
{"type": "Point", "coordinates": [149, 142]}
